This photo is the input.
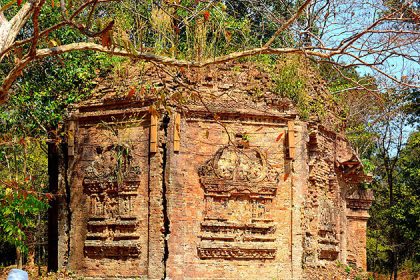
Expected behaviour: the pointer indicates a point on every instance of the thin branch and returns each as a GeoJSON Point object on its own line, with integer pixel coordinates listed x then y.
{"type": "Point", "coordinates": [382, 72]}
{"type": "Point", "coordinates": [287, 23]}
{"type": "Point", "coordinates": [176, 62]}
{"type": "Point", "coordinates": [352, 39]}
{"type": "Point", "coordinates": [35, 17]}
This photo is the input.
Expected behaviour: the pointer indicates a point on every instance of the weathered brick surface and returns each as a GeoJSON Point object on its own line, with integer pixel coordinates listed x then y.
{"type": "Point", "coordinates": [230, 204]}
{"type": "Point", "coordinates": [200, 220]}
{"type": "Point", "coordinates": [109, 215]}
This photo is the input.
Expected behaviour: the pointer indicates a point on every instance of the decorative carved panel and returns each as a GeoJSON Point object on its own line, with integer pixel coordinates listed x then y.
{"type": "Point", "coordinates": [111, 184]}
{"type": "Point", "coordinates": [327, 234]}
{"type": "Point", "coordinates": [360, 199]}
{"type": "Point", "coordinates": [239, 187]}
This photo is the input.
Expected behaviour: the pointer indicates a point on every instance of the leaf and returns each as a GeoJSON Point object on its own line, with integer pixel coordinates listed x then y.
{"type": "Point", "coordinates": [16, 60]}
{"type": "Point", "coordinates": [9, 191]}
{"type": "Point", "coordinates": [19, 2]}
{"type": "Point", "coordinates": [279, 136]}
{"type": "Point", "coordinates": [285, 176]}
{"type": "Point", "coordinates": [131, 92]}
{"type": "Point", "coordinates": [228, 36]}
{"type": "Point", "coordinates": [172, 50]}
{"type": "Point", "coordinates": [106, 39]}
{"type": "Point", "coordinates": [52, 43]}
{"type": "Point", "coordinates": [206, 15]}
{"type": "Point", "coordinates": [52, 3]}
{"type": "Point", "coordinates": [176, 29]}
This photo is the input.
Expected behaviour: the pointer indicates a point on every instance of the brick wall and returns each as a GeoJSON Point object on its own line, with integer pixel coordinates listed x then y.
{"type": "Point", "coordinates": [238, 199]}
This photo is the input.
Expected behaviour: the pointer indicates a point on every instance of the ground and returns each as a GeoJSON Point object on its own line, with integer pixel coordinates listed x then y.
{"type": "Point", "coordinates": [337, 273]}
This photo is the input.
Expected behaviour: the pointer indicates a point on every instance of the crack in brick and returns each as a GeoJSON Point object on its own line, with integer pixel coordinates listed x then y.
{"type": "Point", "coordinates": [166, 222]}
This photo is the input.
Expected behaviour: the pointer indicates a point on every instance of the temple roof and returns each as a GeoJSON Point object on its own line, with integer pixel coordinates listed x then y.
{"type": "Point", "coordinates": [247, 87]}
{"type": "Point", "coordinates": [241, 89]}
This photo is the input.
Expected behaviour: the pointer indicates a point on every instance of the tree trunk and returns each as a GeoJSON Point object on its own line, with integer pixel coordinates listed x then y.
{"type": "Point", "coordinates": [391, 189]}
{"type": "Point", "coordinates": [31, 250]}
{"type": "Point", "coordinates": [19, 258]}
{"type": "Point", "coordinates": [10, 29]}
{"type": "Point", "coordinates": [395, 267]}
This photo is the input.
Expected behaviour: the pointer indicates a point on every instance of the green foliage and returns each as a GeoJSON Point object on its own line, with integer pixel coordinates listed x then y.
{"type": "Point", "coordinates": [368, 166]}
{"type": "Point", "coordinates": [293, 78]}
{"type": "Point", "coordinates": [377, 251]}
{"type": "Point", "coordinates": [17, 213]}
{"type": "Point", "coordinates": [412, 267]}
{"type": "Point", "coordinates": [196, 30]}
{"type": "Point", "coordinates": [30, 117]}
{"type": "Point", "coordinates": [48, 87]}
{"type": "Point", "coordinates": [290, 82]}
{"type": "Point", "coordinates": [190, 30]}
{"type": "Point", "coordinates": [394, 227]}
{"type": "Point", "coordinates": [22, 185]}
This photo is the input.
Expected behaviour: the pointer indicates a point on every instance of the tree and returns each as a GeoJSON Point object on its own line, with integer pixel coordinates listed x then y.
{"type": "Point", "coordinates": [187, 33]}
{"type": "Point", "coordinates": [28, 123]}
{"type": "Point", "coordinates": [22, 197]}
{"type": "Point", "coordinates": [393, 228]}
{"type": "Point", "coordinates": [386, 139]}
{"type": "Point", "coordinates": [382, 127]}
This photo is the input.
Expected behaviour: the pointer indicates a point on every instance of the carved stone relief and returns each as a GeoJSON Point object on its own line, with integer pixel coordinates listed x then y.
{"type": "Point", "coordinates": [111, 184]}
{"type": "Point", "coordinates": [327, 234]}
{"type": "Point", "coordinates": [359, 199]}
{"type": "Point", "coordinates": [239, 188]}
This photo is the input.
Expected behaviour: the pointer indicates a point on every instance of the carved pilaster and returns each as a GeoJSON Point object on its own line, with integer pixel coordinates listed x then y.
{"type": "Point", "coordinates": [358, 203]}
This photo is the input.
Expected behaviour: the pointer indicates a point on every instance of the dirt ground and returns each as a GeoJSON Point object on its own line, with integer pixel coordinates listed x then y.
{"type": "Point", "coordinates": [36, 273]}
{"type": "Point", "coordinates": [40, 273]}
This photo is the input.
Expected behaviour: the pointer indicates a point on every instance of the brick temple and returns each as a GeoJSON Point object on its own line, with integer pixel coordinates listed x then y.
{"type": "Point", "coordinates": [204, 174]}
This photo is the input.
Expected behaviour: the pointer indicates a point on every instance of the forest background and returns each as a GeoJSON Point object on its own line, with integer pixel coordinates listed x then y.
{"type": "Point", "coordinates": [366, 51]}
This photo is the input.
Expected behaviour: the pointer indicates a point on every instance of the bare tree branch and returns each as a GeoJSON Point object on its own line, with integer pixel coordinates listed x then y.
{"type": "Point", "coordinates": [288, 23]}
{"type": "Point", "coordinates": [325, 35]}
